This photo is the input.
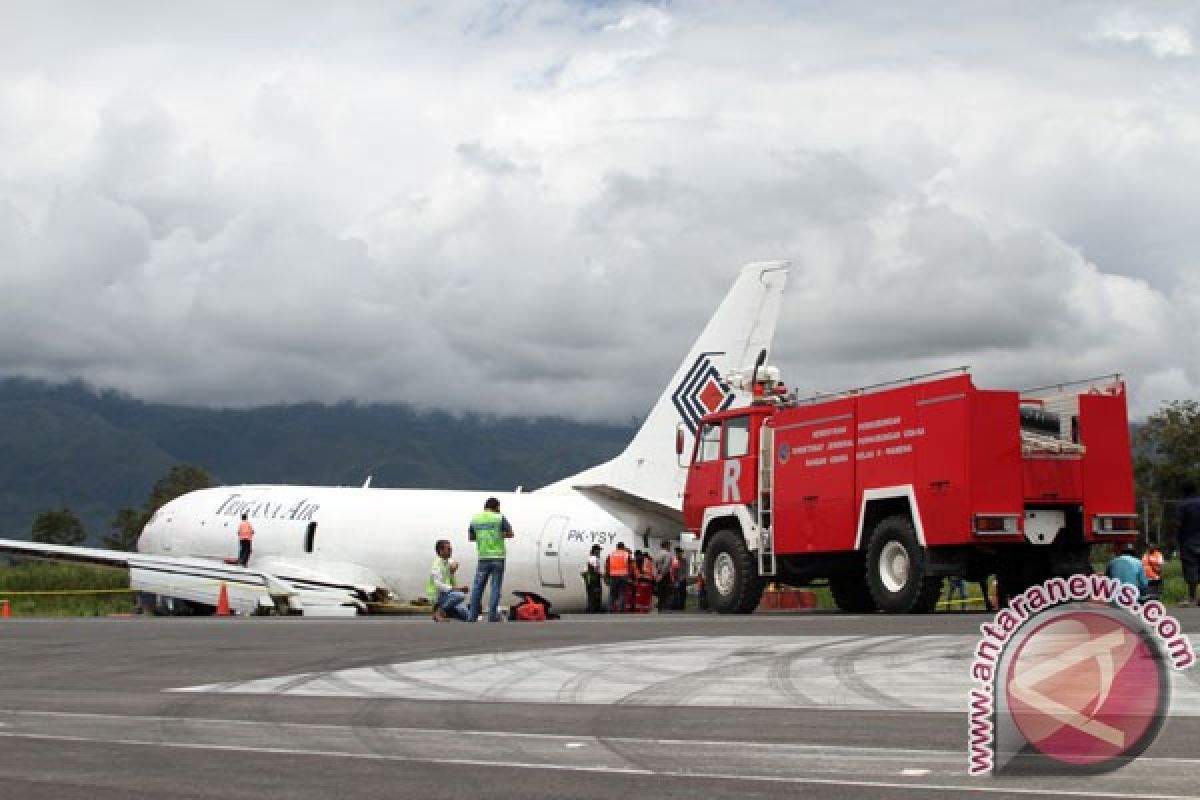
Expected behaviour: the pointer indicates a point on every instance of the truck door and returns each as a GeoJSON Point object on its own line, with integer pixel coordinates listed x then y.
{"type": "Point", "coordinates": [738, 467]}
{"type": "Point", "coordinates": [549, 567]}
{"type": "Point", "coordinates": [704, 476]}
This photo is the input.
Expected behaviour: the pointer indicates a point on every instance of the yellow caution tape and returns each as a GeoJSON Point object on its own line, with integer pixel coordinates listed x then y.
{"type": "Point", "coordinates": [5, 593]}
{"type": "Point", "coordinates": [157, 590]}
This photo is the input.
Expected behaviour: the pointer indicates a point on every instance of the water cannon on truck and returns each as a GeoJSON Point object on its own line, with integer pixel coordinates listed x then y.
{"type": "Point", "coordinates": [883, 491]}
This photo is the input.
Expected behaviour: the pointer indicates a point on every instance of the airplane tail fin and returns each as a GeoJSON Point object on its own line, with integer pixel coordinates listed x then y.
{"type": "Point", "coordinates": [742, 326]}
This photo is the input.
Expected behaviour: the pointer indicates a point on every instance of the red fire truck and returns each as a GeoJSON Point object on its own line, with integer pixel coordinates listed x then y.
{"type": "Point", "coordinates": [884, 491]}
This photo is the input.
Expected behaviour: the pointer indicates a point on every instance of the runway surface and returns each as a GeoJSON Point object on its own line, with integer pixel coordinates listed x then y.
{"type": "Point", "coordinates": [816, 705]}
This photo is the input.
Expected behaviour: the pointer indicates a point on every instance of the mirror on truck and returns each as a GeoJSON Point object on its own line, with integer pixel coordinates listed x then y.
{"type": "Point", "coordinates": [680, 443]}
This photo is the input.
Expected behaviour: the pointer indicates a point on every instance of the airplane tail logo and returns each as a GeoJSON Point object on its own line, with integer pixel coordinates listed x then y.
{"type": "Point", "coordinates": [702, 391]}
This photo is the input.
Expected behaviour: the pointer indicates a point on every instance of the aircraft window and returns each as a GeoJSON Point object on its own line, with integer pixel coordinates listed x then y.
{"type": "Point", "coordinates": [710, 443]}
{"type": "Point", "coordinates": [309, 536]}
{"type": "Point", "coordinates": [737, 437]}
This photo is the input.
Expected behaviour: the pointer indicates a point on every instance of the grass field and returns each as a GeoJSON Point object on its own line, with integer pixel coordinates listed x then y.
{"type": "Point", "coordinates": [47, 589]}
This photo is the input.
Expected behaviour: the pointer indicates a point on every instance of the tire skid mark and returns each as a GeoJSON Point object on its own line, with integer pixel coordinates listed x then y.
{"type": "Point", "coordinates": [779, 676]}
{"type": "Point", "coordinates": [845, 667]}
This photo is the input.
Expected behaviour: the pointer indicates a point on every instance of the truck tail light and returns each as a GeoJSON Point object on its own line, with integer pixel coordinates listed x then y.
{"type": "Point", "coordinates": [996, 524]}
{"type": "Point", "coordinates": [1118, 524]}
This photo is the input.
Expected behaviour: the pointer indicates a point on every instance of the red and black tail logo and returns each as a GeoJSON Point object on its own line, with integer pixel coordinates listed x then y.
{"type": "Point", "coordinates": [702, 391]}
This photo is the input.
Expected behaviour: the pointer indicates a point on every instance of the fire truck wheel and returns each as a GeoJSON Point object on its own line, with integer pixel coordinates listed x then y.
{"type": "Point", "coordinates": [730, 575]}
{"type": "Point", "coordinates": [896, 566]}
{"type": "Point", "coordinates": [931, 593]}
{"type": "Point", "coordinates": [851, 593]}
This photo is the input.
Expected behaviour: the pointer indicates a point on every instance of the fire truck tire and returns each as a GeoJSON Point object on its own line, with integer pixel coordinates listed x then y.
{"type": "Point", "coordinates": [731, 577]}
{"type": "Point", "coordinates": [896, 567]}
{"type": "Point", "coordinates": [931, 593]}
{"type": "Point", "coordinates": [851, 593]}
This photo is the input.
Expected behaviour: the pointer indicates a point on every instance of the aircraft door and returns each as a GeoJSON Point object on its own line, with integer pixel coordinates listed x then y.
{"type": "Point", "coordinates": [549, 567]}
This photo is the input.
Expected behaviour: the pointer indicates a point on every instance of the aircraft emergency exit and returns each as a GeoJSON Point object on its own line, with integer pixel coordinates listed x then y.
{"type": "Point", "coordinates": [332, 550]}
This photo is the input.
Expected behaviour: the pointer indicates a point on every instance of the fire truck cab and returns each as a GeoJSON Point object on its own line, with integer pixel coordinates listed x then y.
{"type": "Point", "coordinates": [884, 491]}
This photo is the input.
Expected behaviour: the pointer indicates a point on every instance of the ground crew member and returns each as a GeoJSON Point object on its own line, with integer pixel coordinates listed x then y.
{"type": "Point", "coordinates": [1128, 569]}
{"type": "Point", "coordinates": [444, 596]}
{"type": "Point", "coordinates": [678, 581]}
{"type": "Point", "coordinates": [592, 579]}
{"type": "Point", "coordinates": [1189, 539]}
{"type": "Point", "coordinates": [488, 530]}
{"type": "Point", "coordinates": [631, 586]}
{"type": "Point", "coordinates": [1152, 562]}
{"type": "Point", "coordinates": [618, 567]}
{"type": "Point", "coordinates": [245, 537]}
{"type": "Point", "coordinates": [662, 568]}
{"type": "Point", "coordinates": [647, 579]}
{"type": "Point", "coordinates": [956, 587]}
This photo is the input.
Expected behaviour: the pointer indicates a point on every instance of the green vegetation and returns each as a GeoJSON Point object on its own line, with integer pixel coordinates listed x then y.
{"type": "Point", "coordinates": [128, 523]}
{"type": "Point", "coordinates": [58, 527]}
{"type": "Point", "coordinates": [36, 588]}
{"type": "Point", "coordinates": [1166, 463]}
{"type": "Point", "coordinates": [100, 451]}
{"type": "Point", "coordinates": [1174, 589]}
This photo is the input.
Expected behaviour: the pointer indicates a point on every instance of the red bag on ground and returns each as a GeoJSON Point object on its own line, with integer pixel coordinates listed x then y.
{"type": "Point", "coordinates": [531, 612]}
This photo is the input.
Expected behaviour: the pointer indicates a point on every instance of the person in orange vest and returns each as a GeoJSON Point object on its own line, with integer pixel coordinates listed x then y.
{"type": "Point", "coordinates": [618, 568]}
{"type": "Point", "coordinates": [245, 537]}
{"type": "Point", "coordinates": [645, 583]}
{"type": "Point", "coordinates": [1152, 562]}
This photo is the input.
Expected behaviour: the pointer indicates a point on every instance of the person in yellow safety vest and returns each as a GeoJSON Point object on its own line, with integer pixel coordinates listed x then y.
{"type": "Point", "coordinates": [444, 596]}
{"type": "Point", "coordinates": [245, 537]}
{"type": "Point", "coordinates": [1152, 562]}
{"type": "Point", "coordinates": [617, 568]}
{"type": "Point", "coordinates": [488, 530]}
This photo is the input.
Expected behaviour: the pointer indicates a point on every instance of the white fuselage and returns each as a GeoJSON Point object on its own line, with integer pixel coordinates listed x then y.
{"type": "Point", "coordinates": [385, 537]}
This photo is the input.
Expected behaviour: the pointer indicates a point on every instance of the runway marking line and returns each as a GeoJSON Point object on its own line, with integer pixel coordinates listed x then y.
{"type": "Point", "coordinates": [967, 785]}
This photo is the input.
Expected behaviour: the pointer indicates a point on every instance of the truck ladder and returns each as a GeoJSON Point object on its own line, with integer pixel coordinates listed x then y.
{"type": "Point", "coordinates": [766, 492]}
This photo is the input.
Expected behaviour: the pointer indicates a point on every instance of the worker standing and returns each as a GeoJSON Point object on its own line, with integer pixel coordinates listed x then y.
{"type": "Point", "coordinates": [245, 538]}
{"type": "Point", "coordinates": [488, 530]}
{"type": "Point", "coordinates": [647, 579]}
{"type": "Point", "coordinates": [1152, 562]}
{"type": "Point", "coordinates": [617, 568]}
{"type": "Point", "coordinates": [662, 568]}
{"type": "Point", "coordinates": [1189, 539]}
{"type": "Point", "coordinates": [592, 579]}
{"type": "Point", "coordinates": [678, 581]}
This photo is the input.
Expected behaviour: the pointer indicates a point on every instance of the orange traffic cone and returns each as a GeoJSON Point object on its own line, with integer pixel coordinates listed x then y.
{"type": "Point", "coordinates": [5, 613]}
{"type": "Point", "coordinates": [223, 603]}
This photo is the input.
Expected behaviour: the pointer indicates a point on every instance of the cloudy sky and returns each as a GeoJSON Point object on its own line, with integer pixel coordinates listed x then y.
{"type": "Point", "coordinates": [533, 207]}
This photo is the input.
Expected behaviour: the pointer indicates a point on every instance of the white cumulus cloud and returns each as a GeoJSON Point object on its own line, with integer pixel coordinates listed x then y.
{"type": "Point", "coordinates": [532, 207]}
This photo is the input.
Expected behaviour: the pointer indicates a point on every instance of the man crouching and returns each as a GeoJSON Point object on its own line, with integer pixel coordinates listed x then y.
{"type": "Point", "coordinates": [443, 594]}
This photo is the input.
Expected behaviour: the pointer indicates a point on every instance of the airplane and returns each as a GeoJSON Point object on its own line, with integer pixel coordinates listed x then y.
{"type": "Point", "coordinates": [333, 551]}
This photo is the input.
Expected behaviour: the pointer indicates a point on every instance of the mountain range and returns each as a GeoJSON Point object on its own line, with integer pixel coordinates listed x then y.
{"type": "Point", "coordinates": [96, 451]}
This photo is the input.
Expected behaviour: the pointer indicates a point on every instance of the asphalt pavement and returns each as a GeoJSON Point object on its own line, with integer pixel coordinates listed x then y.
{"type": "Point", "coordinates": [813, 705]}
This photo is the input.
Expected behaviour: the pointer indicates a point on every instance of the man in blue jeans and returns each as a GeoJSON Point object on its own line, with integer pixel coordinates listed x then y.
{"type": "Point", "coordinates": [488, 530]}
{"type": "Point", "coordinates": [444, 596]}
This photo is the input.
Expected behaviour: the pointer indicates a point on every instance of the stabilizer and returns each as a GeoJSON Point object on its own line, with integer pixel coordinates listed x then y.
{"type": "Point", "coordinates": [742, 326]}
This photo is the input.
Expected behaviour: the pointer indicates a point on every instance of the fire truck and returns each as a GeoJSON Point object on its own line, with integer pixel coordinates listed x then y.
{"type": "Point", "coordinates": [884, 491]}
